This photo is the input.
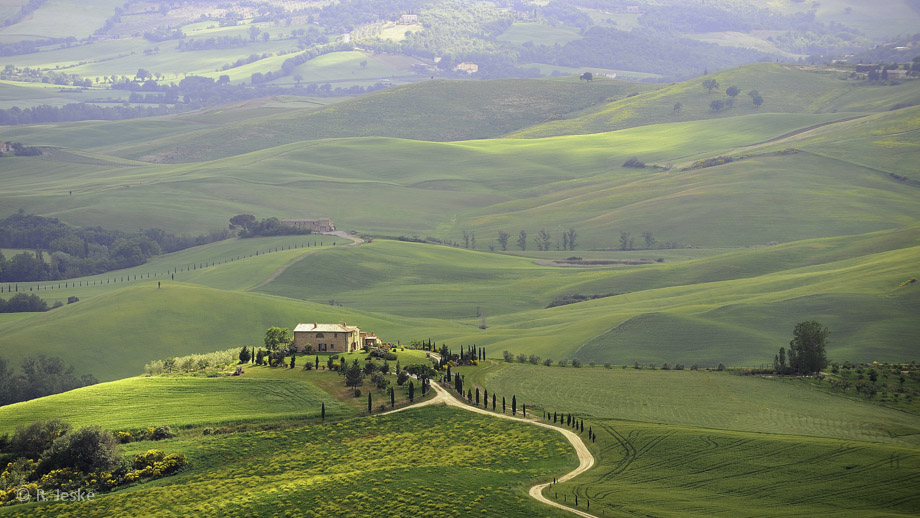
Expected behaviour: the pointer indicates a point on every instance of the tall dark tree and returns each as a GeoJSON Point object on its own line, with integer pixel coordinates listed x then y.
{"type": "Point", "coordinates": [503, 239]}
{"type": "Point", "coordinates": [513, 405]}
{"type": "Point", "coordinates": [293, 360]}
{"type": "Point", "coordinates": [411, 392]}
{"type": "Point", "coordinates": [493, 401]}
{"type": "Point", "coordinates": [244, 355]}
{"type": "Point", "coordinates": [807, 349]}
{"type": "Point", "coordinates": [369, 404]}
{"type": "Point", "coordinates": [323, 412]}
{"type": "Point", "coordinates": [392, 397]}
{"type": "Point", "coordinates": [503, 404]}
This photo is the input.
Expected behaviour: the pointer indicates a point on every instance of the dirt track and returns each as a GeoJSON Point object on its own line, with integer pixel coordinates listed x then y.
{"type": "Point", "coordinates": [585, 459]}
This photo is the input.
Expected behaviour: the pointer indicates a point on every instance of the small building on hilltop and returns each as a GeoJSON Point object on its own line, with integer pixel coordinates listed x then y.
{"type": "Point", "coordinates": [468, 67]}
{"type": "Point", "coordinates": [315, 225]}
{"type": "Point", "coordinates": [338, 338]}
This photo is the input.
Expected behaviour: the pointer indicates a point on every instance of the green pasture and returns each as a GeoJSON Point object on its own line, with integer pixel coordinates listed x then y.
{"type": "Point", "coordinates": [698, 399]}
{"type": "Point", "coordinates": [174, 320]}
{"type": "Point", "coordinates": [261, 394]}
{"type": "Point", "coordinates": [82, 19]}
{"type": "Point", "coordinates": [345, 66]}
{"type": "Point", "coordinates": [491, 185]}
{"type": "Point", "coordinates": [784, 88]}
{"type": "Point", "coordinates": [667, 470]}
{"type": "Point", "coordinates": [629, 75]}
{"type": "Point", "coordinates": [420, 463]}
{"type": "Point", "coordinates": [539, 34]}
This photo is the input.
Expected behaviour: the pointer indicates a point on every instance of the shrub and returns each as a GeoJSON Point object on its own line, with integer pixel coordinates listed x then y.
{"type": "Point", "coordinates": [679, 367]}
{"type": "Point", "coordinates": [694, 367]}
{"type": "Point", "coordinates": [634, 162]}
{"type": "Point", "coordinates": [522, 358]}
{"type": "Point", "coordinates": [721, 367]}
{"type": "Point", "coordinates": [31, 440]}
{"type": "Point", "coordinates": [508, 356]}
{"type": "Point", "coordinates": [576, 363]}
{"type": "Point", "coordinates": [563, 362]}
{"type": "Point", "coordinates": [548, 362]}
{"type": "Point", "coordinates": [666, 366]}
{"type": "Point", "coordinates": [357, 392]}
{"type": "Point", "coordinates": [162, 432]}
{"type": "Point", "coordinates": [402, 378]}
{"type": "Point", "coordinates": [88, 449]}
{"type": "Point", "coordinates": [534, 359]}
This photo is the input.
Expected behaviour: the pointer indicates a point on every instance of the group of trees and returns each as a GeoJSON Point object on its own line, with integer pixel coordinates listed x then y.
{"type": "Point", "coordinates": [732, 92]}
{"type": "Point", "coordinates": [23, 303]}
{"type": "Point", "coordinates": [248, 226]}
{"type": "Point", "coordinates": [40, 376]}
{"type": "Point", "coordinates": [80, 251]}
{"type": "Point", "coordinates": [543, 240]}
{"type": "Point", "coordinates": [807, 350]}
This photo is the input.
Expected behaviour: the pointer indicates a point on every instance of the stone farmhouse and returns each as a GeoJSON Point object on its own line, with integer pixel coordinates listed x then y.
{"type": "Point", "coordinates": [315, 225]}
{"type": "Point", "coordinates": [338, 338]}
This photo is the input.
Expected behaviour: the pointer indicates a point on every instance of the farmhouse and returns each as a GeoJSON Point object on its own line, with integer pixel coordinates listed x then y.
{"type": "Point", "coordinates": [340, 338]}
{"type": "Point", "coordinates": [469, 68]}
{"type": "Point", "coordinates": [316, 225]}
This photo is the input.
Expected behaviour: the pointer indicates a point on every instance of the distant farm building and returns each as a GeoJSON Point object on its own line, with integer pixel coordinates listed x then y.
{"type": "Point", "coordinates": [339, 338]}
{"type": "Point", "coordinates": [897, 74]}
{"type": "Point", "coordinates": [469, 68]}
{"type": "Point", "coordinates": [407, 19]}
{"type": "Point", "coordinates": [369, 339]}
{"type": "Point", "coordinates": [315, 225]}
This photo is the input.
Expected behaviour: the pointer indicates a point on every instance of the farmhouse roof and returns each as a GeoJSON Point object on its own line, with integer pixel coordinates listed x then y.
{"type": "Point", "coordinates": [324, 328]}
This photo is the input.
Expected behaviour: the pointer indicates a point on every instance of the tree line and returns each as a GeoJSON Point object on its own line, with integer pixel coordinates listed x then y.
{"type": "Point", "coordinates": [38, 377]}
{"type": "Point", "coordinates": [81, 251]}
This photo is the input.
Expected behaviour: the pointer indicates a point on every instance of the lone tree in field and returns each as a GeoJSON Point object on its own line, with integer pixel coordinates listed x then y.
{"type": "Point", "coordinates": [807, 348]}
{"type": "Point", "coordinates": [354, 376]}
{"type": "Point", "coordinates": [710, 85]}
{"type": "Point", "coordinates": [522, 240]}
{"type": "Point", "coordinates": [587, 76]}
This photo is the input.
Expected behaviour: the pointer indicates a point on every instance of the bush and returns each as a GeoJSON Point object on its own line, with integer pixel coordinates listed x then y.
{"type": "Point", "coordinates": [31, 440]}
{"type": "Point", "coordinates": [508, 356]}
{"type": "Point", "coordinates": [666, 366]}
{"type": "Point", "coordinates": [563, 362]}
{"type": "Point", "coordinates": [634, 162]}
{"type": "Point", "coordinates": [608, 366]}
{"type": "Point", "coordinates": [694, 367]}
{"type": "Point", "coordinates": [576, 363]}
{"type": "Point", "coordinates": [357, 392]}
{"type": "Point", "coordinates": [534, 359]}
{"type": "Point", "coordinates": [679, 367]}
{"type": "Point", "coordinates": [402, 378]}
{"type": "Point", "coordinates": [522, 358]}
{"type": "Point", "coordinates": [162, 432]}
{"type": "Point", "coordinates": [88, 449]}
{"type": "Point", "coordinates": [548, 362]}
{"type": "Point", "coordinates": [721, 367]}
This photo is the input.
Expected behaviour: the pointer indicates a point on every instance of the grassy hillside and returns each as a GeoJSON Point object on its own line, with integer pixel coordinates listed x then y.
{"type": "Point", "coordinates": [261, 394]}
{"type": "Point", "coordinates": [175, 320]}
{"type": "Point", "coordinates": [665, 470]}
{"type": "Point", "coordinates": [700, 399]}
{"type": "Point", "coordinates": [409, 463]}
{"type": "Point", "coordinates": [784, 88]}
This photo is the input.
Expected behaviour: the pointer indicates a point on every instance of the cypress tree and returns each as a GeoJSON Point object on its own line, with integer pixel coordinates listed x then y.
{"type": "Point", "coordinates": [513, 405]}
{"type": "Point", "coordinates": [524, 409]}
{"type": "Point", "coordinates": [411, 392]}
{"type": "Point", "coordinates": [469, 395]}
{"type": "Point", "coordinates": [485, 399]}
{"type": "Point", "coordinates": [493, 401]}
{"type": "Point", "coordinates": [392, 397]}
{"type": "Point", "coordinates": [503, 404]}
{"type": "Point", "coordinates": [324, 412]}
{"type": "Point", "coordinates": [477, 396]}
{"type": "Point", "coordinates": [293, 359]}
{"type": "Point", "coordinates": [317, 362]}
{"type": "Point", "coordinates": [368, 402]}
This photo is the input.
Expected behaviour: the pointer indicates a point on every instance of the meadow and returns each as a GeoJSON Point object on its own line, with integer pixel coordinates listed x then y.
{"type": "Point", "coordinates": [420, 462]}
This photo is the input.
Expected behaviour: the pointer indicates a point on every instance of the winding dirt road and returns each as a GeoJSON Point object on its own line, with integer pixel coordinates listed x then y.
{"type": "Point", "coordinates": [585, 459]}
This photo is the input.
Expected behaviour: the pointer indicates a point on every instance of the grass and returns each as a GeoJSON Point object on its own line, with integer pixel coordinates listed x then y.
{"type": "Point", "coordinates": [539, 34]}
{"type": "Point", "coordinates": [785, 89]}
{"type": "Point", "coordinates": [260, 395]}
{"type": "Point", "coordinates": [82, 19]}
{"type": "Point", "coordinates": [666, 470]}
{"type": "Point", "coordinates": [699, 399]}
{"type": "Point", "coordinates": [409, 463]}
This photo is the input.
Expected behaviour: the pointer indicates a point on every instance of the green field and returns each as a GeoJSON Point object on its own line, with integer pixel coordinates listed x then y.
{"type": "Point", "coordinates": [699, 443]}
{"type": "Point", "coordinates": [420, 463]}
{"type": "Point", "coordinates": [261, 394]}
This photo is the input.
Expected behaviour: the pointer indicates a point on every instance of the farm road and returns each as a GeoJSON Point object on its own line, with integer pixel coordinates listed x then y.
{"type": "Point", "coordinates": [585, 459]}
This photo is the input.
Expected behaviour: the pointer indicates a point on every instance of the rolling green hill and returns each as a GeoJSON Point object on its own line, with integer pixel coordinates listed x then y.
{"type": "Point", "coordinates": [784, 88]}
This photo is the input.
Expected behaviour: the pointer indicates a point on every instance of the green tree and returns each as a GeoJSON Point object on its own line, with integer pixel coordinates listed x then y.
{"type": "Point", "coordinates": [678, 107]}
{"type": "Point", "coordinates": [625, 241]}
{"type": "Point", "coordinates": [293, 359]}
{"type": "Point", "coordinates": [522, 240]}
{"type": "Point", "coordinates": [88, 449]}
{"type": "Point", "coordinates": [244, 355]}
{"type": "Point", "coordinates": [369, 403]}
{"type": "Point", "coordinates": [323, 412]}
{"type": "Point", "coordinates": [513, 405]}
{"type": "Point", "coordinates": [732, 91]}
{"type": "Point", "coordinates": [717, 105]}
{"type": "Point", "coordinates": [276, 337]}
{"type": "Point", "coordinates": [503, 239]}
{"type": "Point", "coordinates": [587, 76]}
{"type": "Point", "coordinates": [807, 349]}
{"type": "Point", "coordinates": [649, 240]}
{"type": "Point", "coordinates": [354, 377]}
{"type": "Point", "coordinates": [710, 85]}
{"type": "Point", "coordinates": [411, 392]}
